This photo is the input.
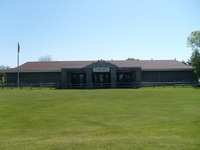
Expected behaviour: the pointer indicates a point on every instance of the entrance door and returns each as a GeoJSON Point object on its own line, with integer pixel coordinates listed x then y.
{"type": "Point", "coordinates": [101, 79]}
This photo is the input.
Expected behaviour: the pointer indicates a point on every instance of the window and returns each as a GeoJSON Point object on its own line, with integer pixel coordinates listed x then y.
{"type": "Point", "coordinates": [78, 78]}
{"type": "Point", "coordinates": [124, 77]}
{"type": "Point", "coordinates": [81, 78]}
{"type": "Point", "coordinates": [95, 78]}
{"type": "Point", "coordinates": [121, 77]}
{"type": "Point", "coordinates": [101, 77]}
{"type": "Point", "coordinates": [107, 78]}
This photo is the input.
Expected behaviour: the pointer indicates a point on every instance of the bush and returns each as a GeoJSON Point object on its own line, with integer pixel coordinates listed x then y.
{"type": "Point", "coordinates": [197, 85]}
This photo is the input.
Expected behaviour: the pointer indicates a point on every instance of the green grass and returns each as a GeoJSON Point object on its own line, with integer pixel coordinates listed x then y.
{"type": "Point", "coordinates": [111, 119]}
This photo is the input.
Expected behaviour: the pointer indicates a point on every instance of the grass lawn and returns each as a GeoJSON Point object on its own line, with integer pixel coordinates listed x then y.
{"type": "Point", "coordinates": [110, 119]}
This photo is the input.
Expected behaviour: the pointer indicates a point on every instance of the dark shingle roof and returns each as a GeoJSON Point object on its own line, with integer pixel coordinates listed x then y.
{"type": "Point", "coordinates": [154, 64]}
{"type": "Point", "coordinates": [55, 66]}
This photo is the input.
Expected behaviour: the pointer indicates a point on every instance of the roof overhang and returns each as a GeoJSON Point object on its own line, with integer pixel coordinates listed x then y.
{"type": "Point", "coordinates": [33, 71]}
{"type": "Point", "coordinates": [170, 69]}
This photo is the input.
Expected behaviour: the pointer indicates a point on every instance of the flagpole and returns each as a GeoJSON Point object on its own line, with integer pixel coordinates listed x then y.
{"type": "Point", "coordinates": [18, 49]}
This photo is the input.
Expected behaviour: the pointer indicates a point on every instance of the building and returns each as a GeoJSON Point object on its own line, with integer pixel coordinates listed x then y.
{"type": "Point", "coordinates": [106, 74]}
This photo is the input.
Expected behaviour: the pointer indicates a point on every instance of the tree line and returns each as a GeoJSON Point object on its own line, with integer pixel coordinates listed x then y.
{"type": "Point", "coordinates": [193, 41]}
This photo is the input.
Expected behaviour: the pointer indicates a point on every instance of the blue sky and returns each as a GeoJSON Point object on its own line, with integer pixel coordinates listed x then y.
{"type": "Point", "coordinates": [96, 29]}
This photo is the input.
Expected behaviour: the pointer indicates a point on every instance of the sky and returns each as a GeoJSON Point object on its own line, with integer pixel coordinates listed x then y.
{"type": "Point", "coordinates": [96, 29]}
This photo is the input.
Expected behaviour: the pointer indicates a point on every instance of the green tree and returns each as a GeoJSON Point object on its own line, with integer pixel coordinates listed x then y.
{"type": "Point", "coordinates": [2, 67]}
{"type": "Point", "coordinates": [193, 41]}
{"type": "Point", "coordinates": [131, 59]}
{"type": "Point", "coordinates": [188, 62]}
{"type": "Point", "coordinates": [45, 58]}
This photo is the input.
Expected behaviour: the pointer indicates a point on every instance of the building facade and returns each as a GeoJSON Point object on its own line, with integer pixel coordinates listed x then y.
{"type": "Point", "coordinates": [102, 74]}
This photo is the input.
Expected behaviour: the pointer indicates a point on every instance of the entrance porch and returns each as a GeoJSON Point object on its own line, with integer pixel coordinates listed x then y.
{"type": "Point", "coordinates": [101, 75]}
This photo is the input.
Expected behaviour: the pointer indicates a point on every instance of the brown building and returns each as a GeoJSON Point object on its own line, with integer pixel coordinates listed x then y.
{"type": "Point", "coordinates": [94, 74]}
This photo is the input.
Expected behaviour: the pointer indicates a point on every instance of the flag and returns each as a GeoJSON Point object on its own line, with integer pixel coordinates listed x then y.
{"type": "Point", "coordinates": [18, 48]}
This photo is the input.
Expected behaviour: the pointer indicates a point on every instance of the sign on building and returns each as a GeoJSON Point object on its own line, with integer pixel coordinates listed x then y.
{"type": "Point", "coordinates": [101, 69]}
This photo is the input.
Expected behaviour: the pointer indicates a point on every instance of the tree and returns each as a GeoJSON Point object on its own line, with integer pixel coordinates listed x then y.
{"type": "Point", "coordinates": [195, 59]}
{"type": "Point", "coordinates": [2, 74]}
{"type": "Point", "coordinates": [45, 58]}
{"type": "Point", "coordinates": [193, 41]}
{"type": "Point", "coordinates": [2, 67]}
{"type": "Point", "coordinates": [188, 62]}
{"type": "Point", "coordinates": [131, 59]}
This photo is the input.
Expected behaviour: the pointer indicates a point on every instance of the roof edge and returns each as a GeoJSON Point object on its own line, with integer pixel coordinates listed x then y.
{"type": "Point", "coordinates": [170, 69]}
{"type": "Point", "coordinates": [32, 71]}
